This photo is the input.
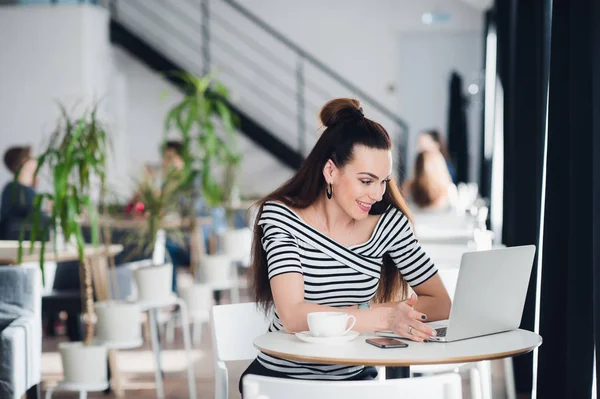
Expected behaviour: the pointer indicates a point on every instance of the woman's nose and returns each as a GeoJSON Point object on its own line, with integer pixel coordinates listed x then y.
{"type": "Point", "coordinates": [377, 193]}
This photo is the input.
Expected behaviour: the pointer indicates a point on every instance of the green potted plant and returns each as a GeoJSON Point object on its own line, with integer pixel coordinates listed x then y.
{"type": "Point", "coordinates": [206, 127]}
{"type": "Point", "coordinates": [75, 155]}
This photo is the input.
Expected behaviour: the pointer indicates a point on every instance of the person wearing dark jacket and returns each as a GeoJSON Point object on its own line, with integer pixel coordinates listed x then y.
{"type": "Point", "coordinates": [16, 202]}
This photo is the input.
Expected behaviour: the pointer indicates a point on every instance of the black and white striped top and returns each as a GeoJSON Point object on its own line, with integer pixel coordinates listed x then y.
{"type": "Point", "coordinates": [335, 275]}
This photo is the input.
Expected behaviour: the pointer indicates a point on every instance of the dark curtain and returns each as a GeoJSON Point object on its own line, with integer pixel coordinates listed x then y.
{"type": "Point", "coordinates": [523, 63]}
{"type": "Point", "coordinates": [596, 183]}
{"type": "Point", "coordinates": [458, 145]}
{"type": "Point", "coordinates": [568, 320]}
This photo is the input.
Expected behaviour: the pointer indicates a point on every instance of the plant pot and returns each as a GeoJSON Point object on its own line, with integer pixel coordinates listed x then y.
{"type": "Point", "coordinates": [216, 270]}
{"type": "Point", "coordinates": [198, 297]}
{"type": "Point", "coordinates": [118, 322]}
{"type": "Point", "coordinates": [84, 364]}
{"type": "Point", "coordinates": [154, 283]}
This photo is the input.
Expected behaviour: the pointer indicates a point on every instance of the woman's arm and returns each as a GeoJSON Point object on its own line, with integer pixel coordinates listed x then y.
{"type": "Point", "coordinates": [432, 300]}
{"type": "Point", "coordinates": [288, 295]}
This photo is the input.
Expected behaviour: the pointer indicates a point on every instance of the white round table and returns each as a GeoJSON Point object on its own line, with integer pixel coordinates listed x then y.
{"type": "Point", "coordinates": [358, 352]}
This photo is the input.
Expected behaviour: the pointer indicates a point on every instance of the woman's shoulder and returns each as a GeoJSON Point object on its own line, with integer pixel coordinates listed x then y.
{"type": "Point", "coordinates": [274, 209]}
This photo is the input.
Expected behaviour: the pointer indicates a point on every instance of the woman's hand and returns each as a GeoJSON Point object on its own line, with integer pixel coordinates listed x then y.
{"type": "Point", "coordinates": [407, 322]}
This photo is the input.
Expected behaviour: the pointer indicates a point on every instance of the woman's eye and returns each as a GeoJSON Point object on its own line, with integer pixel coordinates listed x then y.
{"type": "Point", "coordinates": [385, 181]}
{"type": "Point", "coordinates": [367, 182]}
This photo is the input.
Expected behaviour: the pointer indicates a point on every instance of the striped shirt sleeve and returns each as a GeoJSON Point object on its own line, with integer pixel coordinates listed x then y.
{"type": "Point", "coordinates": [412, 261]}
{"type": "Point", "coordinates": [281, 249]}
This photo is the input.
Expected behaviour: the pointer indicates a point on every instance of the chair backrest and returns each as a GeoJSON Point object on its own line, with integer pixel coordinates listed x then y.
{"type": "Point", "coordinates": [442, 386]}
{"type": "Point", "coordinates": [234, 328]}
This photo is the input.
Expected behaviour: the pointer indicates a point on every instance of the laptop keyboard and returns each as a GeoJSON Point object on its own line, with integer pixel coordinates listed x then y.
{"type": "Point", "coordinates": [441, 332]}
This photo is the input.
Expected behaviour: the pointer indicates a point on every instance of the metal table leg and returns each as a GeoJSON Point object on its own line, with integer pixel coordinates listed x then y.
{"type": "Point", "coordinates": [392, 373]}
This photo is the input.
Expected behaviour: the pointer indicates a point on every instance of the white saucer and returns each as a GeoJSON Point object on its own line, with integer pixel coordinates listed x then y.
{"type": "Point", "coordinates": [306, 336]}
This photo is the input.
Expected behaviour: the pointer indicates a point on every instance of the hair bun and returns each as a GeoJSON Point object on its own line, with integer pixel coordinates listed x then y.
{"type": "Point", "coordinates": [339, 110]}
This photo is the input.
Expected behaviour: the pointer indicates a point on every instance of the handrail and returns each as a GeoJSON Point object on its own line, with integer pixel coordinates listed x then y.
{"type": "Point", "coordinates": [310, 58]}
{"type": "Point", "coordinates": [218, 32]}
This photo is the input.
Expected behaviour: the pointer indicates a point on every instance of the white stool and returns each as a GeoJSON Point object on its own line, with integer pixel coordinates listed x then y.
{"type": "Point", "coordinates": [152, 308]}
{"type": "Point", "coordinates": [83, 389]}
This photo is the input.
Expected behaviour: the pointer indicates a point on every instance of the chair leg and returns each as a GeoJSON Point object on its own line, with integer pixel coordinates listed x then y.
{"type": "Point", "coordinates": [152, 324]}
{"type": "Point", "coordinates": [475, 382]}
{"type": "Point", "coordinates": [509, 378]}
{"type": "Point", "coordinates": [187, 342]}
{"type": "Point", "coordinates": [235, 294]}
{"type": "Point", "coordinates": [221, 381]}
{"type": "Point", "coordinates": [170, 331]}
{"type": "Point", "coordinates": [82, 394]}
{"type": "Point", "coordinates": [485, 375]}
{"type": "Point", "coordinates": [49, 393]}
{"type": "Point", "coordinates": [197, 333]}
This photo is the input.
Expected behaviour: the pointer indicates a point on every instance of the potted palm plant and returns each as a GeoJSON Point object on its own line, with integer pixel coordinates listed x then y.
{"type": "Point", "coordinates": [206, 147]}
{"type": "Point", "coordinates": [75, 155]}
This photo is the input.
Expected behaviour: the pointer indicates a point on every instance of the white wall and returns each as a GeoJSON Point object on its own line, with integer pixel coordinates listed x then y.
{"type": "Point", "coordinates": [48, 54]}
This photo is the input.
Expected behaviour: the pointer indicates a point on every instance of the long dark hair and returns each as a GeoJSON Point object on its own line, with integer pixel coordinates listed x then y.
{"type": "Point", "coordinates": [431, 180]}
{"type": "Point", "coordinates": [346, 127]}
{"type": "Point", "coordinates": [437, 137]}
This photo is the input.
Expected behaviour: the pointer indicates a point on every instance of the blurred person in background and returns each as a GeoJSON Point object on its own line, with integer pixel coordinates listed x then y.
{"type": "Point", "coordinates": [16, 206]}
{"type": "Point", "coordinates": [431, 187]}
{"type": "Point", "coordinates": [432, 140]}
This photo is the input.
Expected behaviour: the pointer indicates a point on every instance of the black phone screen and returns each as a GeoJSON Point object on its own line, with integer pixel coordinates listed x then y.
{"type": "Point", "coordinates": [387, 343]}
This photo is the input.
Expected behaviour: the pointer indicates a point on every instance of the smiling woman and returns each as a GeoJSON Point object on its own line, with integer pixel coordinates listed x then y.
{"type": "Point", "coordinates": [335, 238]}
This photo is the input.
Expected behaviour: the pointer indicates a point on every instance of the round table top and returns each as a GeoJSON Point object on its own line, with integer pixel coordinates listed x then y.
{"type": "Point", "coordinates": [358, 352]}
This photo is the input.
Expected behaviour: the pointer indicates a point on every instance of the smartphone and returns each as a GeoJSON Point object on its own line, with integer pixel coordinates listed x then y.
{"type": "Point", "coordinates": [387, 343]}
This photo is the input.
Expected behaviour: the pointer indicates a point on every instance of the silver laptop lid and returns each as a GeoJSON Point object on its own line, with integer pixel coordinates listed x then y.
{"type": "Point", "coordinates": [490, 292]}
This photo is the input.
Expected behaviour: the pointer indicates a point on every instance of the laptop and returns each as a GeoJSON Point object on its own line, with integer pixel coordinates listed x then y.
{"type": "Point", "coordinates": [490, 294]}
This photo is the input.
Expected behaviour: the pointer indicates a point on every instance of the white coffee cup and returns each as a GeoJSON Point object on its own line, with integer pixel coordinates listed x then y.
{"type": "Point", "coordinates": [329, 324]}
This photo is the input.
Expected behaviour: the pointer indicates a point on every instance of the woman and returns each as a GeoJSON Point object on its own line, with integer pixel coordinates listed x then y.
{"type": "Point", "coordinates": [336, 237]}
{"type": "Point", "coordinates": [431, 140]}
{"type": "Point", "coordinates": [431, 187]}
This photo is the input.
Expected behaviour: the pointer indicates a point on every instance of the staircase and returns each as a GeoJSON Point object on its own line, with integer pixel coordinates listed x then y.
{"type": "Point", "coordinates": [277, 88]}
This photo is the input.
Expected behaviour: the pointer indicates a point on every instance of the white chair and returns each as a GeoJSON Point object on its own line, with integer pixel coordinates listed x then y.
{"type": "Point", "coordinates": [234, 328]}
{"type": "Point", "coordinates": [443, 386]}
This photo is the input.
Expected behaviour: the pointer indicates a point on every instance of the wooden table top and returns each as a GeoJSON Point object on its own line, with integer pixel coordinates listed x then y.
{"type": "Point", "coordinates": [358, 352]}
{"type": "Point", "coordinates": [131, 223]}
{"type": "Point", "coordinates": [9, 251]}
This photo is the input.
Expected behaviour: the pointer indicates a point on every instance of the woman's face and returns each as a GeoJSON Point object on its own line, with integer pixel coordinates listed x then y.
{"type": "Point", "coordinates": [362, 181]}
{"type": "Point", "coordinates": [426, 143]}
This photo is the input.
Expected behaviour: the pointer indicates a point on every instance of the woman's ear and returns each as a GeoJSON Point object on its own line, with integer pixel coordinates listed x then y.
{"type": "Point", "coordinates": [330, 171]}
